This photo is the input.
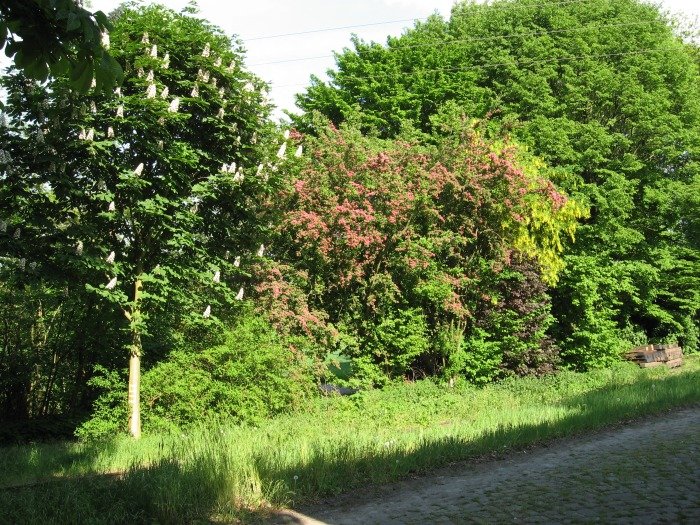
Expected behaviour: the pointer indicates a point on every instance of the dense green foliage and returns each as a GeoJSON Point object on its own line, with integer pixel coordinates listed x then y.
{"type": "Point", "coordinates": [402, 242]}
{"type": "Point", "coordinates": [116, 208]}
{"type": "Point", "coordinates": [248, 376]}
{"type": "Point", "coordinates": [509, 192]}
{"type": "Point", "coordinates": [57, 37]}
{"type": "Point", "coordinates": [606, 94]}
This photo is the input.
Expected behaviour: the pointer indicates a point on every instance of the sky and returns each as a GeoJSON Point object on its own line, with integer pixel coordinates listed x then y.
{"type": "Point", "coordinates": [252, 19]}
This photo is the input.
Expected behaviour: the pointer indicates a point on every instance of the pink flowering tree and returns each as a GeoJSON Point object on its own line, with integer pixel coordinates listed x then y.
{"type": "Point", "coordinates": [397, 241]}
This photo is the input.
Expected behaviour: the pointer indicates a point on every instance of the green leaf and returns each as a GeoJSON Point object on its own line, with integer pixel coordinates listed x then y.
{"type": "Point", "coordinates": [83, 82]}
{"type": "Point", "coordinates": [79, 69]}
{"type": "Point", "coordinates": [60, 67]}
{"type": "Point", "coordinates": [73, 22]}
{"type": "Point", "coordinates": [3, 33]}
{"type": "Point", "coordinates": [102, 20]}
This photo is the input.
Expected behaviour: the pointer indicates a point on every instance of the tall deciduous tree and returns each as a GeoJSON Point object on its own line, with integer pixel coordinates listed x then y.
{"type": "Point", "coordinates": [147, 196]}
{"type": "Point", "coordinates": [602, 90]}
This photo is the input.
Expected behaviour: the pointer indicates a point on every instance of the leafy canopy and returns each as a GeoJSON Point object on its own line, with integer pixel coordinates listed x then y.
{"type": "Point", "coordinates": [59, 37]}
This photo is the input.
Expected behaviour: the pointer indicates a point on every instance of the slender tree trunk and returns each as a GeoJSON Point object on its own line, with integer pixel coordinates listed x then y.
{"type": "Point", "coordinates": [134, 400]}
{"type": "Point", "coordinates": [134, 394]}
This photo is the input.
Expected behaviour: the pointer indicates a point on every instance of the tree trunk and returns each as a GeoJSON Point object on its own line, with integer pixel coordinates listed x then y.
{"type": "Point", "coordinates": [134, 399]}
{"type": "Point", "coordinates": [134, 395]}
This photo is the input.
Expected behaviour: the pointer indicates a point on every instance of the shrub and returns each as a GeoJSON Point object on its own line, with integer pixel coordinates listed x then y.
{"type": "Point", "coordinates": [252, 375]}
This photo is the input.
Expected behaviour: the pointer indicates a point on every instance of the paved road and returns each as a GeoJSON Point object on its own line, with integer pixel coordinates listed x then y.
{"type": "Point", "coordinates": [647, 472]}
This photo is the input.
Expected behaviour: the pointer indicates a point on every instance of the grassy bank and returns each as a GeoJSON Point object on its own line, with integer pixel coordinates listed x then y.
{"type": "Point", "coordinates": [226, 472]}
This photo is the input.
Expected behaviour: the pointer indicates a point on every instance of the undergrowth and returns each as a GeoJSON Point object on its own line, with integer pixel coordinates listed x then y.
{"type": "Point", "coordinates": [222, 471]}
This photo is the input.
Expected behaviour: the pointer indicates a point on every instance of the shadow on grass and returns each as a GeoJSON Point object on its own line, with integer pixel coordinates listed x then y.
{"type": "Point", "coordinates": [203, 491]}
{"type": "Point", "coordinates": [35, 463]}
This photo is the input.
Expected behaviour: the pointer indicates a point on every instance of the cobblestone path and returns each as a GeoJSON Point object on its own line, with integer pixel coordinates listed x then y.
{"type": "Point", "coordinates": [647, 472]}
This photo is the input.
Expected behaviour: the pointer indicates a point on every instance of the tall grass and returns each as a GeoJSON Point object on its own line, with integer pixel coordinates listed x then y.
{"type": "Point", "coordinates": [219, 471]}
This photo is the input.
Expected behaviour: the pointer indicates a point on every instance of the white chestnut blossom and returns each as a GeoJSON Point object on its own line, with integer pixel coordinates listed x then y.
{"type": "Point", "coordinates": [217, 62]}
{"type": "Point", "coordinates": [93, 107]}
{"type": "Point", "coordinates": [144, 38]}
{"type": "Point", "coordinates": [110, 258]}
{"type": "Point", "coordinates": [166, 61]}
{"type": "Point", "coordinates": [90, 135]}
{"type": "Point", "coordinates": [22, 263]}
{"type": "Point", "coordinates": [286, 134]}
{"type": "Point", "coordinates": [3, 226]}
{"type": "Point", "coordinates": [207, 50]}
{"type": "Point", "coordinates": [139, 169]}
{"type": "Point", "coordinates": [120, 111]}
{"type": "Point", "coordinates": [237, 261]}
{"type": "Point", "coordinates": [217, 276]}
{"type": "Point", "coordinates": [151, 91]}
{"type": "Point", "coordinates": [110, 132]}
{"type": "Point", "coordinates": [239, 295]}
{"type": "Point", "coordinates": [79, 248]}
{"type": "Point", "coordinates": [195, 91]}
{"type": "Point", "coordinates": [174, 105]}
{"type": "Point", "coordinates": [154, 51]}
{"type": "Point", "coordinates": [165, 92]}
{"type": "Point", "coordinates": [221, 113]}
{"type": "Point", "coordinates": [207, 312]}
{"type": "Point", "coordinates": [111, 284]}
{"type": "Point", "coordinates": [298, 152]}
{"type": "Point", "coordinates": [150, 76]}
{"type": "Point", "coordinates": [112, 206]}
{"type": "Point", "coordinates": [261, 250]}
{"type": "Point", "coordinates": [282, 150]}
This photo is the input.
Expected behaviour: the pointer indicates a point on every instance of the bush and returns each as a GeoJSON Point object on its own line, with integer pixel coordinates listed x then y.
{"type": "Point", "coordinates": [252, 375]}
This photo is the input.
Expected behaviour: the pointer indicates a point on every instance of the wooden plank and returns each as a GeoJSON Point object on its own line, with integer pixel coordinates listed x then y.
{"type": "Point", "coordinates": [675, 363]}
{"type": "Point", "coordinates": [651, 364]}
{"type": "Point", "coordinates": [645, 348]}
{"type": "Point", "coordinates": [673, 353]}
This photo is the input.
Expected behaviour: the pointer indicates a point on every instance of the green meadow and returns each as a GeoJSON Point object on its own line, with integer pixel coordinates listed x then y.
{"type": "Point", "coordinates": [229, 473]}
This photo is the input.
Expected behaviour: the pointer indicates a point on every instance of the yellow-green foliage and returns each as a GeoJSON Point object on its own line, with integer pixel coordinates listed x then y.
{"type": "Point", "coordinates": [551, 217]}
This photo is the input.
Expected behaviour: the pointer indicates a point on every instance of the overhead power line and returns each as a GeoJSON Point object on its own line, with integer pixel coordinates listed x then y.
{"type": "Point", "coordinates": [470, 40]}
{"type": "Point", "coordinates": [328, 29]}
{"type": "Point", "coordinates": [340, 28]}
{"type": "Point", "coordinates": [496, 64]}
